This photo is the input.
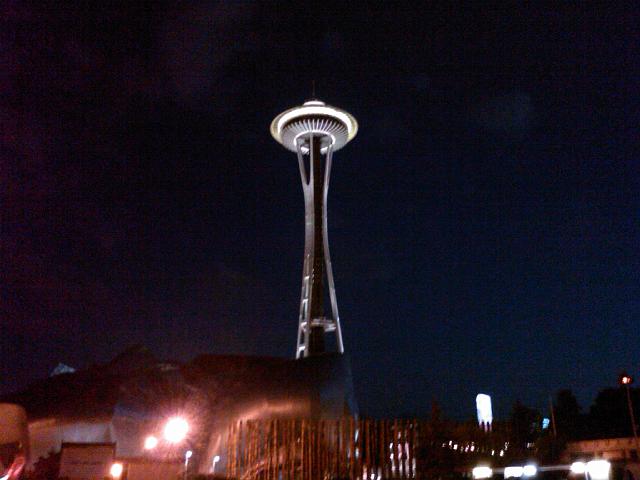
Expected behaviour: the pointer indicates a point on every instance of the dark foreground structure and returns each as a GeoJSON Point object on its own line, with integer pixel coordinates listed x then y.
{"type": "Point", "coordinates": [133, 396]}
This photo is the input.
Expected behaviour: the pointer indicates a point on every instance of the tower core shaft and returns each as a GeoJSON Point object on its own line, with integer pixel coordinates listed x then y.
{"type": "Point", "coordinates": [313, 323]}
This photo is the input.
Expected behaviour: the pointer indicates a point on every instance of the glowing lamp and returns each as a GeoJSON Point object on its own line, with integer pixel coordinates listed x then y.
{"type": "Point", "coordinates": [216, 459]}
{"type": "Point", "coordinates": [529, 470]}
{"type": "Point", "coordinates": [512, 472]}
{"type": "Point", "coordinates": [176, 430]}
{"type": "Point", "coordinates": [626, 379]}
{"type": "Point", "coordinates": [150, 442]}
{"type": "Point", "coordinates": [598, 469]}
{"type": "Point", "coordinates": [578, 468]}
{"type": "Point", "coordinates": [481, 471]}
{"type": "Point", "coordinates": [116, 470]}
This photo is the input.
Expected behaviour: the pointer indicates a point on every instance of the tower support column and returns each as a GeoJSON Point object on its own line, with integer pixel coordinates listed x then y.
{"type": "Point", "coordinates": [313, 324]}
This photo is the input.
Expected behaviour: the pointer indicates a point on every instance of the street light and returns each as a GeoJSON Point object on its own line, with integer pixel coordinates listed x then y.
{"type": "Point", "coordinates": [216, 459]}
{"type": "Point", "coordinates": [116, 470]}
{"type": "Point", "coordinates": [598, 469]}
{"type": "Point", "coordinates": [176, 429]}
{"type": "Point", "coordinates": [512, 472]}
{"type": "Point", "coordinates": [627, 380]}
{"type": "Point", "coordinates": [578, 468]}
{"type": "Point", "coordinates": [187, 456]}
{"type": "Point", "coordinates": [528, 470]}
{"type": "Point", "coordinates": [175, 432]}
{"type": "Point", "coordinates": [482, 471]}
{"type": "Point", "coordinates": [150, 442]}
{"type": "Point", "coordinates": [594, 470]}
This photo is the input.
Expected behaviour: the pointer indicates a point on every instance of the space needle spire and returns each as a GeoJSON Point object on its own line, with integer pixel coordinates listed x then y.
{"type": "Point", "coordinates": [314, 131]}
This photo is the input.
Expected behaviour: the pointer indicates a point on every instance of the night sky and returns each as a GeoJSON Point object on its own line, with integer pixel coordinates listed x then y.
{"type": "Point", "coordinates": [484, 224]}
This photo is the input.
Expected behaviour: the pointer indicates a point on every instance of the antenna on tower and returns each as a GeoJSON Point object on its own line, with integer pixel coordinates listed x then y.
{"type": "Point", "coordinates": [315, 130]}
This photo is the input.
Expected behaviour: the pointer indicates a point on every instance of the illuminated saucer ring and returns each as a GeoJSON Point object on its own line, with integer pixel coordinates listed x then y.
{"type": "Point", "coordinates": [332, 124]}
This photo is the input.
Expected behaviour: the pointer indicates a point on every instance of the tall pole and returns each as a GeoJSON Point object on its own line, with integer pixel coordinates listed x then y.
{"type": "Point", "coordinates": [632, 416]}
{"type": "Point", "coordinates": [553, 418]}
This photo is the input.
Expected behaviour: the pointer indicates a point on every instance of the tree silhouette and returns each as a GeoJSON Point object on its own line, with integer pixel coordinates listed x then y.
{"type": "Point", "coordinates": [525, 427]}
{"type": "Point", "coordinates": [567, 415]}
{"type": "Point", "coordinates": [45, 468]}
{"type": "Point", "coordinates": [609, 415]}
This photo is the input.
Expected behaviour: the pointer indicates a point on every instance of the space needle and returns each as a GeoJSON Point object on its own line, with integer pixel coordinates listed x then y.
{"type": "Point", "coordinates": [314, 131]}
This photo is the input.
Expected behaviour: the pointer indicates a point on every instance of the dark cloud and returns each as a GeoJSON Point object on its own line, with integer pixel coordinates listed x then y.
{"type": "Point", "coordinates": [196, 46]}
{"type": "Point", "coordinates": [508, 115]}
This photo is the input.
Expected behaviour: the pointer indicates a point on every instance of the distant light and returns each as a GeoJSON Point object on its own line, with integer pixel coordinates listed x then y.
{"type": "Point", "coordinates": [482, 472]}
{"type": "Point", "coordinates": [150, 442]}
{"type": "Point", "coordinates": [512, 472]}
{"type": "Point", "coordinates": [578, 467]}
{"type": "Point", "coordinates": [216, 459]}
{"type": "Point", "coordinates": [188, 454]}
{"type": "Point", "coordinates": [626, 379]}
{"type": "Point", "coordinates": [529, 470]}
{"type": "Point", "coordinates": [483, 408]}
{"type": "Point", "coordinates": [545, 423]}
{"type": "Point", "coordinates": [598, 469]}
{"type": "Point", "coordinates": [116, 470]}
{"type": "Point", "coordinates": [176, 429]}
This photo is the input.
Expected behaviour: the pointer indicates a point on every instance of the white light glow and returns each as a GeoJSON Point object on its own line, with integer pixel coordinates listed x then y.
{"type": "Point", "coordinates": [176, 430]}
{"type": "Point", "coordinates": [512, 472]}
{"type": "Point", "coordinates": [578, 467]}
{"type": "Point", "coordinates": [482, 472]}
{"type": "Point", "coordinates": [116, 470]}
{"type": "Point", "coordinates": [150, 442]}
{"type": "Point", "coordinates": [188, 454]}
{"type": "Point", "coordinates": [216, 459]}
{"type": "Point", "coordinates": [598, 469]}
{"type": "Point", "coordinates": [529, 470]}
{"type": "Point", "coordinates": [483, 408]}
{"type": "Point", "coordinates": [316, 110]}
